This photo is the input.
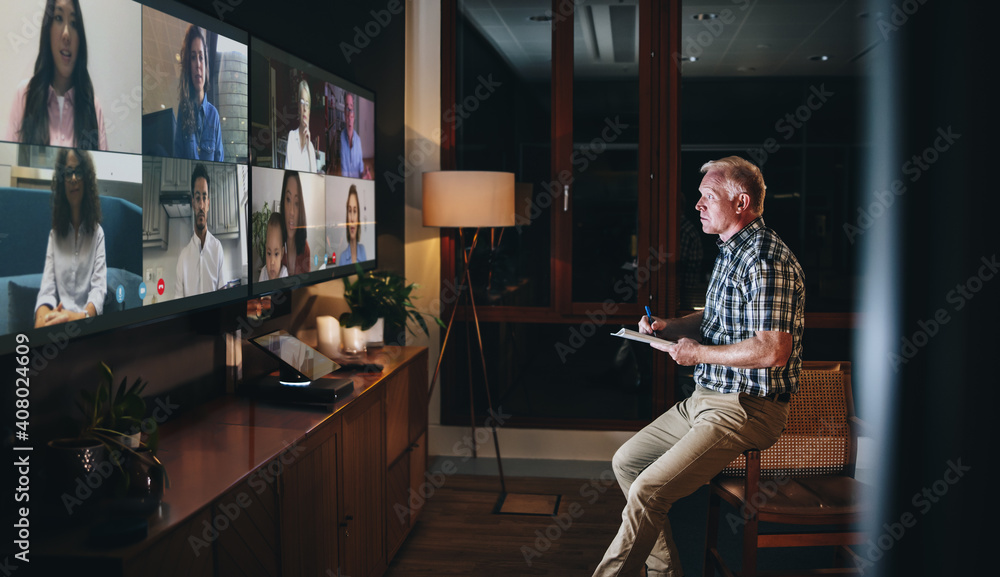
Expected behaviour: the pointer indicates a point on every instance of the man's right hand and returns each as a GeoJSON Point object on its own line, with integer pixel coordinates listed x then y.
{"type": "Point", "coordinates": [651, 329]}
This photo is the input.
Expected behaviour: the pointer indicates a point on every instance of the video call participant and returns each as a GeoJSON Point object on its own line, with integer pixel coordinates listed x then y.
{"type": "Point", "coordinates": [198, 134]}
{"type": "Point", "coordinates": [355, 251]}
{"type": "Point", "coordinates": [57, 106]}
{"type": "Point", "coordinates": [199, 268]}
{"type": "Point", "coordinates": [300, 154]}
{"type": "Point", "coordinates": [747, 345]}
{"type": "Point", "coordinates": [75, 277]}
{"type": "Point", "coordinates": [294, 209]}
{"type": "Point", "coordinates": [352, 162]}
{"type": "Point", "coordinates": [274, 249]}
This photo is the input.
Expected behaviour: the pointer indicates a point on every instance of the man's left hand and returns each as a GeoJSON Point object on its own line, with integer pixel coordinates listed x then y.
{"type": "Point", "coordinates": [684, 353]}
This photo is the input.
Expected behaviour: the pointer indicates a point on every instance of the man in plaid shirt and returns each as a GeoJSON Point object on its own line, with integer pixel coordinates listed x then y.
{"type": "Point", "coordinates": [747, 345]}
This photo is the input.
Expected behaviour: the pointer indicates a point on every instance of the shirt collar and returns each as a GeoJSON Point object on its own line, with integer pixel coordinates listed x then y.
{"type": "Point", "coordinates": [53, 96]}
{"type": "Point", "coordinates": [742, 236]}
{"type": "Point", "coordinates": [204, 105]}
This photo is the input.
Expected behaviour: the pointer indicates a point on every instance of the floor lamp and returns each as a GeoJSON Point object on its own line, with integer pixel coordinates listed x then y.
{"type": "Point", "coordinates": [469, 199]}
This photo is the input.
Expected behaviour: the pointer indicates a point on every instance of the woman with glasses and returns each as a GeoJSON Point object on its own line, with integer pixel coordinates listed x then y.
{"type": "Point", "coordinates": [300, 154]}
{"type": "Point", "coordinates": [57, 106]}
{"type": "Point", "coordinates": [75, 279]}
{"type": "Point", "coordinates": [198, 135]}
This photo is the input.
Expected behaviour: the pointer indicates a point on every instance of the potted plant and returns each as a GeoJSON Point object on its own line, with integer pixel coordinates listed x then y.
{"type": "Point", "coordinates": [383, 295]}
{"type": "Point", "coordinates": [111, 431]}
{"type": "Point", "coordinates": [258, 226]}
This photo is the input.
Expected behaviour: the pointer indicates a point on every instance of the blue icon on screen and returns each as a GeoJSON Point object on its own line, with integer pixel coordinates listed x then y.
{"type": "Point", "coordinates": [315, 260]}
{"type": "Point", "coordinates": [120, 294]}
{"type": "Point", "coordinates": [142, 290]}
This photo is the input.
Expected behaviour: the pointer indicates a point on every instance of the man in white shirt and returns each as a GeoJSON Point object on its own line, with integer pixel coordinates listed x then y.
{"type": "Point", "coordinates": [199, 268]}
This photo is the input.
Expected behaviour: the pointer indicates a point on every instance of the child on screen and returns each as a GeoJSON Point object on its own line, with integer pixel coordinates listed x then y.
{"type": "Point", "coordinates": [274, 249]}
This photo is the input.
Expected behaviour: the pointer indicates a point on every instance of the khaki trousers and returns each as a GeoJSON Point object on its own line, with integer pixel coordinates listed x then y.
{"type": "Point", "coordinates": [670, 458]}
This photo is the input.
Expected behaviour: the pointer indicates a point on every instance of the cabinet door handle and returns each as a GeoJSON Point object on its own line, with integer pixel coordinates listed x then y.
{"type": "Point", "coordinates": [565, 198]}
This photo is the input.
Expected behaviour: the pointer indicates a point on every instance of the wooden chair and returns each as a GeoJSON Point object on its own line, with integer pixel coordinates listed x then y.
{"type": "Point", "coordinates": [805, 478]}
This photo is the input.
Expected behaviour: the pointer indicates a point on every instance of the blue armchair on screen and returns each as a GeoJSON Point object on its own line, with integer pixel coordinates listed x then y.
{"type": "Point", "coordinates": [25, 222]}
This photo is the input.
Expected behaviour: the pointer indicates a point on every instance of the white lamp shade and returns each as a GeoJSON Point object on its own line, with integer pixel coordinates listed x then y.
{"type": "Point", "coordinates": [468, 199]}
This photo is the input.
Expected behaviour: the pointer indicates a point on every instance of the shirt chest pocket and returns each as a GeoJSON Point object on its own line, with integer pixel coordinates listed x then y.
{"type": "Point", "coordinates": [732, 309]}
{"type": "Point", "coordinates": [207, 146]}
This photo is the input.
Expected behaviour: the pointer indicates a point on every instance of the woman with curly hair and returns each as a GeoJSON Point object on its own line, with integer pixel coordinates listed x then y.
{"type": "Point", "coordinates": [75, 279]}
{"type": "Point", "coordinates": [198, 134]}
{"type": "Point", "coordinates": [57, 106]}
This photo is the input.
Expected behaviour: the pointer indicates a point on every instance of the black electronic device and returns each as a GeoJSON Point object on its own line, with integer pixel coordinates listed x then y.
{"type": "Point", "coordinates": [300, 374]}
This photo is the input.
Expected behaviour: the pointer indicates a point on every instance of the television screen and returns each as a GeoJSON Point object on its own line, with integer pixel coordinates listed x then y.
{"type": "Point", "coordinates": [71, 235]}
{"type": "Point", "coordinates": [118, 211]}
{"type": "Point", "coordinates": [288, 226]}
{"type": "Point", "coordinates": [312, 140]}
{"type": "Point", "coordinates": [154, 162]}
{"type": "Point", "coordinates": [194, 86]}
{"type": "Point", "coordinates": [88, 87]}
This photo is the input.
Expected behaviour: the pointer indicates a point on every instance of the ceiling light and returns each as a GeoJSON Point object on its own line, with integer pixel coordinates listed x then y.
{"type": "Point", "coordinates": [820, 58]}
{"type": "Point", "coordinates": [541, 18]}
{"type": "Point", "coordinates": [705, 16]}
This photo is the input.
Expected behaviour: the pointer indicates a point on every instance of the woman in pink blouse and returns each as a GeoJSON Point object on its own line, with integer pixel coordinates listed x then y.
{"type": "Point", "coordinates": [57, 105]}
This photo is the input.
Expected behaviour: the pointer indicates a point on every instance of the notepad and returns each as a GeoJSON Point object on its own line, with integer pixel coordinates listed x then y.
{"type": "Point", "coordinates": [644, 338]}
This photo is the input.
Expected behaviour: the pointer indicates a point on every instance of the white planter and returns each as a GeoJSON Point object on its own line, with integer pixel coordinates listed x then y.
{"type": "Point", "coordinates": [375, 335]}
{"type": "Point", "coordinates": [328, 335]}
{"type": "Point", "coordinates": [353, 340]}
{"type": "Point", "coordinates": [130, 441]}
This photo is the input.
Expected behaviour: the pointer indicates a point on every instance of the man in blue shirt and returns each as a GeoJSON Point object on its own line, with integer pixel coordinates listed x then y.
{"type": "Point", "coordinates": [352, 162]}
{"type": "Point", "coordinates": [747, 345]}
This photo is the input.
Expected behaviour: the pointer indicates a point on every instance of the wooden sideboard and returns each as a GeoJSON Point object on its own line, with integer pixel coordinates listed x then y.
{"type": "Point", "coordinates": [264, 489]}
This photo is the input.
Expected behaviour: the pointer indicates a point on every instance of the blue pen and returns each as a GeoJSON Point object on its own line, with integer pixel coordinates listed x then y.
{"type": "Point", "coordinates": [649, 315]}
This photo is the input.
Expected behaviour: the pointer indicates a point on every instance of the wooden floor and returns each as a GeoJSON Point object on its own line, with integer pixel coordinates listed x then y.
{"type": "Point", "coordinates": [457, 533]}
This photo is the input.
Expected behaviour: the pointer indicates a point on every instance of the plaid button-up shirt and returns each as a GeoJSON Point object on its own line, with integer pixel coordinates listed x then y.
{"type": "Point", "coordinates": [757, 285]}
